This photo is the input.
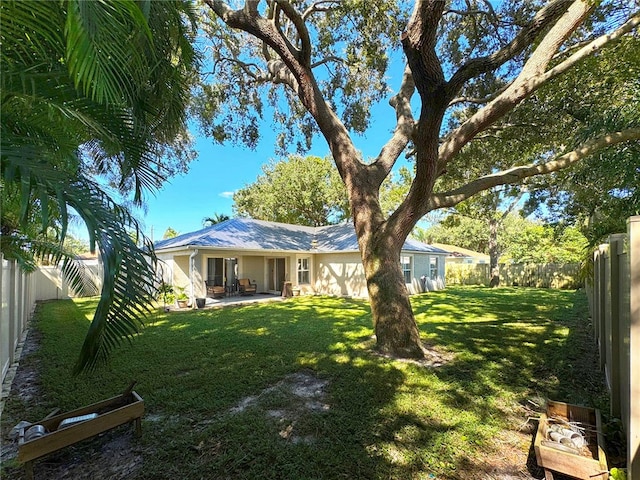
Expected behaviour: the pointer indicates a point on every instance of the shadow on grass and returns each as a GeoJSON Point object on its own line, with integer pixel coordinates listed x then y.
{"type": "Point", "coordinates": [384, 419]}
{"type": "Point", "coordinates": [523, 345]}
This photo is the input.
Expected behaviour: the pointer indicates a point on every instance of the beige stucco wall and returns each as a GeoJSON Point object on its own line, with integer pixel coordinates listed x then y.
{"type": "Point", "coordinates": [181, 272]}
{"type": "Point", "coordinates": [252, 267]}
{"type": "Point", "coordinates": [340, 274]}
{"type": "Point", "coordinates": [330, 273]}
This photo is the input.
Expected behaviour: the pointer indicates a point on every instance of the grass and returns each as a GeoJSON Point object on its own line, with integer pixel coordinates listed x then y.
{"type": "Point", "coordinates": [384, 419]}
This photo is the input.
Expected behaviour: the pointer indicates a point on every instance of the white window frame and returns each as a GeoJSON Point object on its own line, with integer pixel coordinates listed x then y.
{"type": "Point", "coordinates": [304, 269]}
{"type": "Point", "coordinates": [405, 271]}
{"type": "Point", "coordinates": [434, 267]}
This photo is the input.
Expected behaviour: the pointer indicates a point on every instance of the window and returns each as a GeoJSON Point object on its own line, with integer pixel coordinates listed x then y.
{"type": "Point", "coordinates": [405, 263]}
{"type": "Point", "coordinates": [303, 271]}
{"type": "Point", "coordinates": [433, 268]}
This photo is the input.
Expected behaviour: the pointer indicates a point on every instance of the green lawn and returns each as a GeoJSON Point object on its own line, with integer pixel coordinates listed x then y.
{"type": "Point", "coordinates": [379, 419]}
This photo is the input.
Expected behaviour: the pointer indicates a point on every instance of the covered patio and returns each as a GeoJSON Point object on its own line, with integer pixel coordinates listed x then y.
{"type": "Point", "coordinates": [232, 300]}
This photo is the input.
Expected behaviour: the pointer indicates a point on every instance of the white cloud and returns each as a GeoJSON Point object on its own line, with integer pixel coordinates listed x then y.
{"type": "Point", "coordinates": [226, 194]}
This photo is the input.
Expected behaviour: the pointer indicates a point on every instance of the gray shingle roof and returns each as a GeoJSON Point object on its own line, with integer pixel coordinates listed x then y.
{"type": "Point", "coordinates": [249, 234]}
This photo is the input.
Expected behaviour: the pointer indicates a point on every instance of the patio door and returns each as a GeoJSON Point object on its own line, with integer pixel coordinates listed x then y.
{"type": "Point", "coordinates": [231, 272]}
{"type": "Point", "coordinates": [277, 274]}
{"type": "Point", "coordinates": [222, 272]}
{"type": "Point", "coordinates": [215, 272]}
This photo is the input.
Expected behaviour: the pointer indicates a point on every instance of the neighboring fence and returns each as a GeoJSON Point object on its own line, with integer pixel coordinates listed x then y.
{"type": "Point", "coordinates": [20, 291]}
{"type": "Point", "coordinates": [548, 275]}
{"type": "Point", "coordinates": [614, 300]}
{"type": "Point", "coordinates": [18, 299]}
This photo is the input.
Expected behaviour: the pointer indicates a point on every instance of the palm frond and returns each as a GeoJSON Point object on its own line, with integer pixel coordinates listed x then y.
{"type": "Point", "coordinates": [128, 288]}
{"type": "Point", "coordinates": [103, 66]}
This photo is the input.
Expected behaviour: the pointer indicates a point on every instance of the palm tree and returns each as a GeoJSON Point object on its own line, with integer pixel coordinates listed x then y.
{"type": "Point", "coordinates": [91, 91]}
{"type": "Point", "coordinates": [217, 218]}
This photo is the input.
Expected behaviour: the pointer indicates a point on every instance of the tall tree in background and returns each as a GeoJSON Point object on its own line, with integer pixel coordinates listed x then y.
{"type": "Point", "coordinates": [93, 90]}
{"type": "Point", "coordinates": [217, 218]}
{"type": "Point", "coordinates": [322, 64]}
{"type": "Point", "coordinates": [600, 193]}
{"type": "Point", "coordinates": [169, 233]}
{"type": "Point", "coordinates": [298, 190]}
{"type": "Point", "coordinates": [520, 240]}
{"type": "Point", "coordinates": [491, 207]}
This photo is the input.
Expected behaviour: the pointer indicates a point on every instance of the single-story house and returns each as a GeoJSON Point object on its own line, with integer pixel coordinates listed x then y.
{"type": "Point", "coordinates": [462, 255]}
{"type": "Point", "coordinates": [316, 260]}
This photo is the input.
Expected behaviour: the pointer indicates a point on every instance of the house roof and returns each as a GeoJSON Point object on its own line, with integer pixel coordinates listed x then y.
{"type": "Point", "coordinates": [460, 252]}
{"type": "Point", "coordinates": [249, 234]}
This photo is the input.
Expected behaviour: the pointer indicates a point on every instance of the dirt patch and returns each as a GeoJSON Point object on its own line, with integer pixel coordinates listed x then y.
{"type": "Point", "coordinates": [289, 401]}
{"type": "Point", "coordinates": [433, 358]}
{"type": "Point", "coordinates": [112, 455]}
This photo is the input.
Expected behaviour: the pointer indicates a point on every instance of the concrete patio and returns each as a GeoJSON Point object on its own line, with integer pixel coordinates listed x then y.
{"type": "Point", "coordinates": [233, 300]}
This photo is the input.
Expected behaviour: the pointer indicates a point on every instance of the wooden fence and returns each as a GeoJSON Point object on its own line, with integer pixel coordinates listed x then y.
{"type": "Point", "coordinates": [614, 300]}
{"type": "Point", "coordinates": [548, 275]}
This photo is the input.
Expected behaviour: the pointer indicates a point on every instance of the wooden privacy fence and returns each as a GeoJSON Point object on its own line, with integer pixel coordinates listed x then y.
{"type": "Point", "coordinates": [20, 292]}
{"type": "Point", "coordinates": [614, 300]}
{"type": "Point", "coordinates": [547, 275]}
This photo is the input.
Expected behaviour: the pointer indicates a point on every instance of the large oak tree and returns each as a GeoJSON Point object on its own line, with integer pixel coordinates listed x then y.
{"type": "Point", "coordinates": [321, 64]}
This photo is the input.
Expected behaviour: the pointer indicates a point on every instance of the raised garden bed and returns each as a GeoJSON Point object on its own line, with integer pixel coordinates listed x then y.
{"type": "Point", "coordinates": [555, 452]}
{"type": "Point", "coordinates": [66, 429]}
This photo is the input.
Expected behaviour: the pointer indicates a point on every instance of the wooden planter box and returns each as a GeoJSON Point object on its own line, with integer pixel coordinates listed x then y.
{"type": "Point", "coordinates": [111, 413]}
{"type": "Point", "coordinates": [591, 463]}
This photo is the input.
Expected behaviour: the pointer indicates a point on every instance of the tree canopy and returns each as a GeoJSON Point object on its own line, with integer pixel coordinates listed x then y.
{"type": "Point", "coordinates": [519, 240]}
{"type": "Point", "coordinates": [297, 190]}
{"type": "Point", "coordinates": [217, 218]}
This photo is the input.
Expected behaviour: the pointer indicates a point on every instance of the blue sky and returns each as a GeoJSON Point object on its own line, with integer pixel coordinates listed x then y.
{"type": "Point", "coordinates": [218, 171]}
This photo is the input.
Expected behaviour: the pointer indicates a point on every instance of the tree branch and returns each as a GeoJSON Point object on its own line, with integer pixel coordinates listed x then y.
{"type": "Point", "coordinates": [478, 100]}
{"type": "Point", "coordinates": [401, 102]}
{"type": "Point", "coordinates": [301, 28]}
{"type": "Point", "coordinates": [530, 78]}
{"type": "Point", "coordinates": [247, 68]}
{"type": "Point", "coordinates": [330, 58]}
{"type": "Point", "coordinates": [249, 20]}
{"type": "Point", "coordinates": [317, 7]}
{"type": "Point", "coordinates": [516, 174]}
{"type": "Point", "coordinates": [477, 66]}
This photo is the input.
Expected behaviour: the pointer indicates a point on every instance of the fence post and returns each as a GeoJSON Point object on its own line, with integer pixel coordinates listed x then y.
{"type": "Point", "coordinates": [633, 435]}
{"type": "Point", "coordinates": [600, 305]}
{"type": "Point", "coordinates": [614, 344]}
{"type": "Point", "coordinates": [12, 309]}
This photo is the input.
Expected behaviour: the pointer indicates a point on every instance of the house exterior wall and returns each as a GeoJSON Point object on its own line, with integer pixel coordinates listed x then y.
{"type": "Point", "coordinates": [340, 274]}
{"type": "Point", "coordinates": [181, 272]}
{"type": "Point", "coordinates": [422, 267]}
{"type": "Point", "coordinates": [253, 268]}
{"type": "Point", "coordinates": [305, 288]}
{"type": "Point", "coordinates": [165, 267]}
{"type": "Point", "coordinates": [248, 266]}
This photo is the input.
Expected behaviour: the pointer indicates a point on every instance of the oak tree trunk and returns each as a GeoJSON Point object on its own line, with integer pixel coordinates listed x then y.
{"type": "Point", "coordinates": [395, 326]}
